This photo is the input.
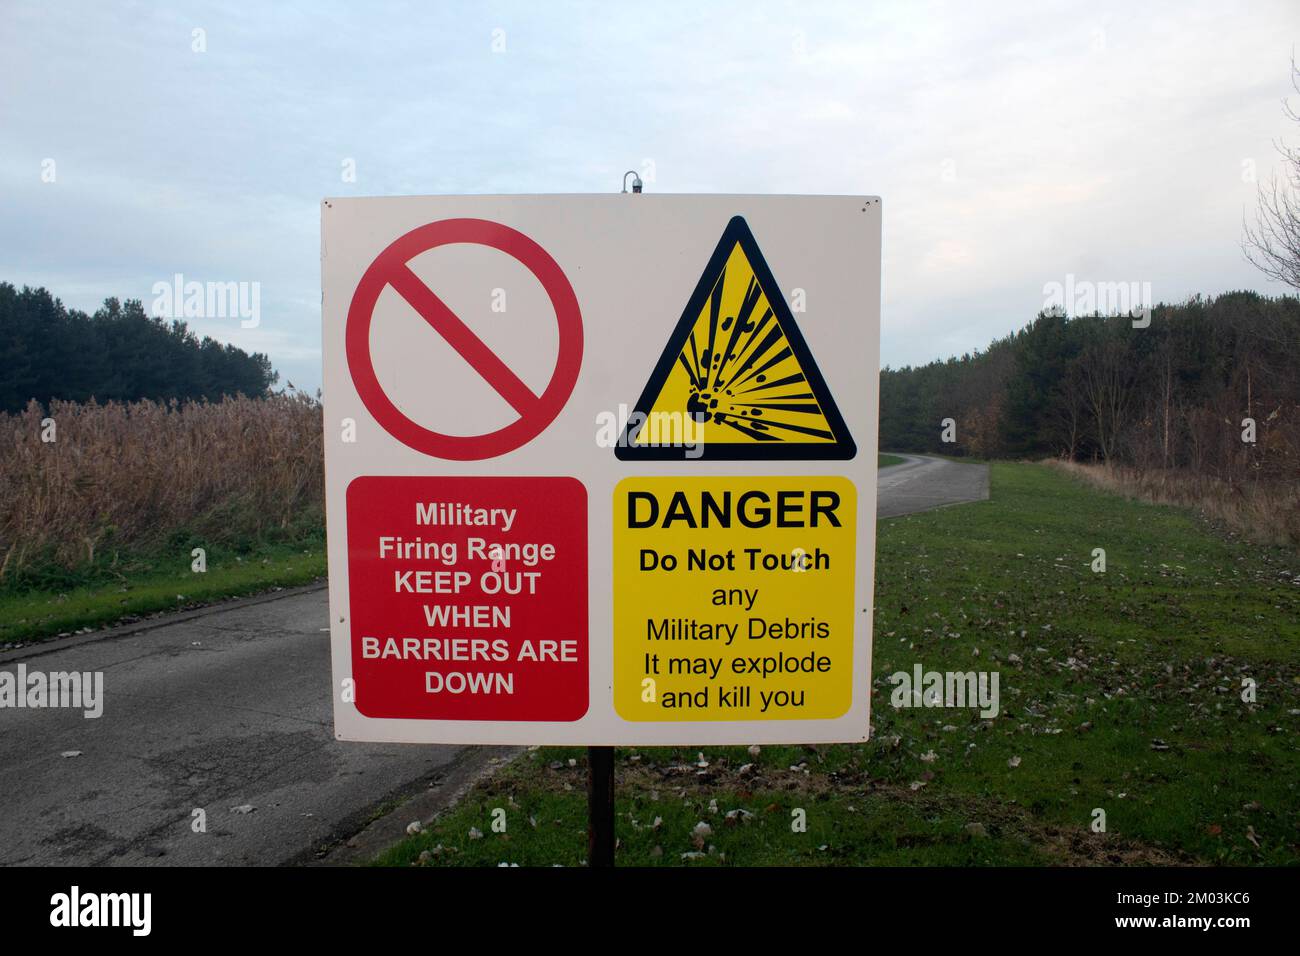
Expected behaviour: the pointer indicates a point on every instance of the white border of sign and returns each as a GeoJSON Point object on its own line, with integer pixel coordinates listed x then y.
{"type": "Point", "coordinates": [633, 261]}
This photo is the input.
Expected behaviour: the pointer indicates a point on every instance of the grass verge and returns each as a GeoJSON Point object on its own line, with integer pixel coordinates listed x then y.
{"type": "Point", "coordinates": [887, 461]}
{"type": "Point", "coordinates": [150, 583]}
{"type": "Point", "coordinates": [1121, 692]}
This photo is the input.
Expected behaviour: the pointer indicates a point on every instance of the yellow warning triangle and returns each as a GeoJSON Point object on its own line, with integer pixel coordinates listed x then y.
{"type": "Point", "coordinates": [736, 380]}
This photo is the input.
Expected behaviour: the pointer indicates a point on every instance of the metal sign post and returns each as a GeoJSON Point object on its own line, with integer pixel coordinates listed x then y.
{"type": "Point", "coordinates": [600, 760]}
{"type": "Point", "coordinates": [600, 806]}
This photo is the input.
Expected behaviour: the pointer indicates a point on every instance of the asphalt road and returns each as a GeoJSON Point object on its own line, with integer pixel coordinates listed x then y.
{"type": "Point", "coordinates": [922, 483]}
{"type": "Point", "coordinates": [227, 711]}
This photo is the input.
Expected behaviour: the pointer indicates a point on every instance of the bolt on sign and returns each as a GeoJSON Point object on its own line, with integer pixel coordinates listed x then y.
{"type": "Point", "coordinates": [601, 469]}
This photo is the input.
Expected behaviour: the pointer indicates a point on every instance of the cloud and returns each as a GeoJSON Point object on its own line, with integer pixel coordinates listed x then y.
{"type": "Point", "coordinates": [1012, 146]}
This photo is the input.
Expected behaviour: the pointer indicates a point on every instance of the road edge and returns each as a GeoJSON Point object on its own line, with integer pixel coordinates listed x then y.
{"type": "Point", "coordinates": [48, 645]}
{"type": "Point", "coordinates": [362, 837]}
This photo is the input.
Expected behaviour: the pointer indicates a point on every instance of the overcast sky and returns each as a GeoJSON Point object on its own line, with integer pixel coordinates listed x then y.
{"type": "Point", "coordinates": [1013, 143]}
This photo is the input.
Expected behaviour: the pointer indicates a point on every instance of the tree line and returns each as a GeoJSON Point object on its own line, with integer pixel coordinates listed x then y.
{"type": "Point", "coordinates": [1211, 385]}
{"type": "Point", "coordinates": [119, 353]}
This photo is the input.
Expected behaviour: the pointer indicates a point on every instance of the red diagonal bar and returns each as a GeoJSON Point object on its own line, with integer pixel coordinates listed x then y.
{"type": "Point", "coordinates": [460, 337]}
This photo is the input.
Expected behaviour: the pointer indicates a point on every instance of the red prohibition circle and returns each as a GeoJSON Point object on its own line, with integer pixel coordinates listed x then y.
{"type": "Point", "coordinates": [535, 411]}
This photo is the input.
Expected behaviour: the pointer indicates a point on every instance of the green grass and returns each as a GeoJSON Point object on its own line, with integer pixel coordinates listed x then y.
{"type": "Point", "coordinates": [885, 461]}
{"type": "Point", "coordinates": [1120, 691]}
{"type": "Point", "coordinates": [158, 581]}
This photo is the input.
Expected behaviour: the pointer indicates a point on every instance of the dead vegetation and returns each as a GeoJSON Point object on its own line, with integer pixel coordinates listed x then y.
{"type": "Point", "coordinates": [78, 482]}
{"type": "Point", "coordinates": [1264, 511]}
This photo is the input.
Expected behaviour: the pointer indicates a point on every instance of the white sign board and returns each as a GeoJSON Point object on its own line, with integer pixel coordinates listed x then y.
{"type": "Point", "coordinates": [601, 469]}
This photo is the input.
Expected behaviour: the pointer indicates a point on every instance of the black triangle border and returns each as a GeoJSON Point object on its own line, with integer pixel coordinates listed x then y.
{"type": "Point", "coordinates": [843, 448]}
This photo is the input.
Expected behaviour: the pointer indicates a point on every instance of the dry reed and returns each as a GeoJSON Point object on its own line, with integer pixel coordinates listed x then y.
{"type": "Point", "coordinates": [1266, 512]}
{"type": "Point", "coordinates": [129, 475]}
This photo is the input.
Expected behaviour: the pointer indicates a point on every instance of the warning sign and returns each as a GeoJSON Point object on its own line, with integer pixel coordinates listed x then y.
{"type": "Point", "coordinates": [469, 597]}
{"type": "Point", "coordinates": [733, 598]}
{"type": "Point", "coordinates": [587, 479]}
{"type": "Point", "coordinates": [736, 380]}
